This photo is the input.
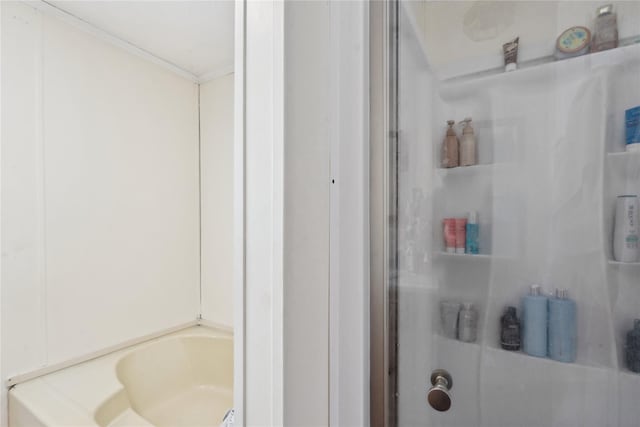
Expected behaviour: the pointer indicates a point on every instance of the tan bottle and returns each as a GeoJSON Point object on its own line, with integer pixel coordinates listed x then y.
{"type": "Point", "coordinates": [450, 147]}
{"type": "Point", "coordinates": [605, 35]}
{"type": "Point", "coordinates": [467, 144]}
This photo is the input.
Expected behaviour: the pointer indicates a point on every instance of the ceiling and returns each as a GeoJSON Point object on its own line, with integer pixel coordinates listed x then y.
{"type": "Point", "coordinates": [196, 36]}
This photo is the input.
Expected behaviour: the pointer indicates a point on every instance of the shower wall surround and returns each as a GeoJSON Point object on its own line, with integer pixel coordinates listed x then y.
{"type": "Point", "coordinates": [100, 193]}
{"type": "Point", "coordinates": [551, 162]}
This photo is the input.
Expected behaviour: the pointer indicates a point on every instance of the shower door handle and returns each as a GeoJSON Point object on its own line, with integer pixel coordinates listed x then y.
{"type": "Point", "coordinates": [438, 396]}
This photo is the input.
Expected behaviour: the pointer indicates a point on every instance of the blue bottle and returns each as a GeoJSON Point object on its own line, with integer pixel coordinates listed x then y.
{"type": "Point", "coordinates": [562, 327]}
{"type": "Point", "coordinates": [473, 229]}
{"type": "Point", "coordinates": [534, 322]}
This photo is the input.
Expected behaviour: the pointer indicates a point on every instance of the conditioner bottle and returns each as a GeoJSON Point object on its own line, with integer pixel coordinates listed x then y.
{"type": "Point", "coordinates": [450, 147]}
{"type": "Point", "coordinates": [562, 327]}
{"type": "Point", "coordinates": [534, 322]}
{"type": "Point", "coordinates": [467, 144]}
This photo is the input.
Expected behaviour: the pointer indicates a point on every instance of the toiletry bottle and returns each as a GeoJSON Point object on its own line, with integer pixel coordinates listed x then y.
{"type": "Point", "coordinates": [510, 330]}
{"type": "Point", "coordinates": [562, 327]}
{"type": "Point", "coordinates": [626, 232]}
{"type": "Point", "coordinates": [467, 323]}
{"type": "Point", "coordinates": [632, 347]}
{"type": "Point", "coordinates": [449, 233]}
{"type": "Point", "coordinates": [449, 312]}
{"type": "Point", "coordinates": [534, 322]}
{"type": "Point", "coordinates": [510, 51]}
{"type": "Point", "coordinates": [461, 234]}
{"type": "Point", "coordinates": [605, 29]}
{"type": "Point", "coordinates": [450, 147]}
{"type": "Point", "coordinates": [467, 144]}
{"type": "Point", "coordinates": [472, 233]}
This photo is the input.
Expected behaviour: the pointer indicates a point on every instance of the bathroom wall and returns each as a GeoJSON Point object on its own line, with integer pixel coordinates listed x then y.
{"type": "Point", "coordinates": [216, 151]}
{"type": "Point", "coordinates": [100, 198]}
{"type": "Point", "coordinates": [467, 36]}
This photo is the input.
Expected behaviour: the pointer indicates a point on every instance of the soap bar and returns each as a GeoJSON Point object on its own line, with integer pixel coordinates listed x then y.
{"type": "Point", "coordinates": [632, 123]}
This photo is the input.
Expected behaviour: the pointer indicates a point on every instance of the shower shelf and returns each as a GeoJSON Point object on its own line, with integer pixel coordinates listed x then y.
{"type": "Point", "coordinates": [550, 363]}
{"type": "Point", "coordinates": [623, 154]}
{"type": "Point", "coordinates": [463, 170]}
{"type": "Point", "coordinates": [457, 342]}
{"type": "Point", "coordinates": [447, 255]}
{"type": "Point", "coordinates": [464, 256]}
{"type": "Point", "coordinates": [539, 72]}
{"type": "Point", "coordinates": [625, 264]}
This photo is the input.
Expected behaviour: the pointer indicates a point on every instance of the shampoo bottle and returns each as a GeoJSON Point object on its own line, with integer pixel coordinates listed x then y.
{"type": "Point", "coordinates": [467, 144]}
{"type": "Point", "coordinates": [471, 245]}
{"type": "Point", "coordinates": [450, 147]}
{"type": "Point", "coordinates": [626, 232]}
{"type": "Point", "coordinates": [562, 327]}
{"type": "Point", "coordinates": [632, 347]}
{"type": "Point", "coordinates": [534, 322]}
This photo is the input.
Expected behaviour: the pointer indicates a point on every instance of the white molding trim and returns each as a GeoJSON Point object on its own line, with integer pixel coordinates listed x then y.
{"type": "Point", "coordinates": [239, 214]}
{"type": "Point", "coordinates": [217, 73]}
{"type": "Point", "coordinates": [215, 325]}
{"type": "Point", "coordinates": [77, 22]}
{"type": "Point", "coordinates": [17, 379]}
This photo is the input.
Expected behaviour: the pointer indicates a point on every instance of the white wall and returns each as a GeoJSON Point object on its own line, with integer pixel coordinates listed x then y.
{"type": "Point", "coordinates": [261, 219]}
{"type": "Point", "coordinates": [216, 156]}
{"type": "Point", "coordinates": [306, 214]}
{"type": "Point", "coordinates": [292, 126]}
{"type": "Point", "coordinates": [349, 228]}
{"type": "Point", "coordinates": [100, 201]}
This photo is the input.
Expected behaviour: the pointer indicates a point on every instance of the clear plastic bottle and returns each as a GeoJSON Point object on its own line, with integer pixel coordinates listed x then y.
{"type": "Point", "coordinates": [468, 323]}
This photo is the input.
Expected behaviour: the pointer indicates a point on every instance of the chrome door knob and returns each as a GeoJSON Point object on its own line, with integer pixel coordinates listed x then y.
{"type": "Point", "coordinates": [438, 395]}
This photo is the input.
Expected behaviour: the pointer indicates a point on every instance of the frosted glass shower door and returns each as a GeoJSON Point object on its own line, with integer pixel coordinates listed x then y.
{"type": "Point", "coordinates": [549, 166]}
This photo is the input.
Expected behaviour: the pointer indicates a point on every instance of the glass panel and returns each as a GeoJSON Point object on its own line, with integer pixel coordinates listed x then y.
{"type": "Point", "coordinates": [540, 201]}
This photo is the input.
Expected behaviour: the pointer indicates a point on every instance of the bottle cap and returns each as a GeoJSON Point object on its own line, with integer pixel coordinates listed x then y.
{"type": "Point", "coordinates": [562, 293]}
{"type": "Point", "coordinates": [511, 66]}
{"type": "Point", "coordinates": [451, 122]}
{"type": "Point", "coordinates": [467, 126]}
{"type": "Point", "coordinates": [472, 217]}
{"type": "Point", "coordinates": [535, 290]}
{"type": "Point", "coordinates": [605, 10]}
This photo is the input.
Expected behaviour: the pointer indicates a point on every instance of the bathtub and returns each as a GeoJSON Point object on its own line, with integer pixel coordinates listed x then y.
{"type": "Point", "coordinates": [181, 379]}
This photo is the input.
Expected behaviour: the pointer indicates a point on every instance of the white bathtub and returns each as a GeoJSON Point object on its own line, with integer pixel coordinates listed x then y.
{"type": "Point", "coordinates": [182, 379]}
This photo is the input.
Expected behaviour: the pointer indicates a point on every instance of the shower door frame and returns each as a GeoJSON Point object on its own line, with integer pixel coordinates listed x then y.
{"type": "Point", "coordinates": [383, 119]}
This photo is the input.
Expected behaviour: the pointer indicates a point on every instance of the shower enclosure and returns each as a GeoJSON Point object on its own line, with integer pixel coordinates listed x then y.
{"type": "Point", "coordinates": [550, 164]}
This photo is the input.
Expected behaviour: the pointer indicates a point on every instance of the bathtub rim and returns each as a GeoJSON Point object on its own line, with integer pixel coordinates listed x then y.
{"type": "Point", "coordinates": [55, 367]}
{"type": "Point", "coordinates": [76, 406]}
